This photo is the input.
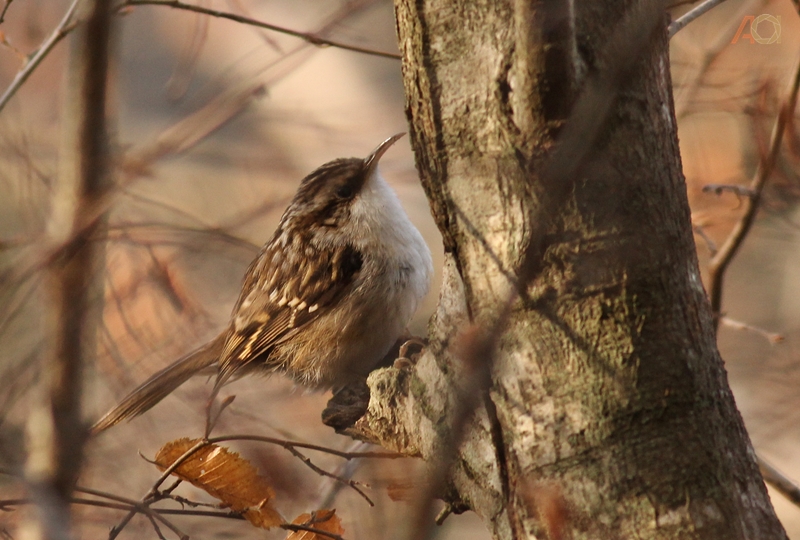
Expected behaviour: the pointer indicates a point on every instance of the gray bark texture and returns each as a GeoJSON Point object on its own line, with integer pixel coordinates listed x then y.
{"type": "Point", "coordinates": [607, 413]}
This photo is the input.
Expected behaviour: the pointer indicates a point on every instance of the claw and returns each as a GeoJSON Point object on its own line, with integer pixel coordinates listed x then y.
{"type": "Point", "coordinates": [403, 360]}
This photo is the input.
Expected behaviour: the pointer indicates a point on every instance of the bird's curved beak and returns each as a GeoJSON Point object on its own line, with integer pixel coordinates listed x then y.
{"type": "Point", "coordinates": [371, 161]}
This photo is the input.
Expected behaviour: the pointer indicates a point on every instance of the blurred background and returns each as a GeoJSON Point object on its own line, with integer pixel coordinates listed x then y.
{"type": "Point", "coordinates": [216, 122]}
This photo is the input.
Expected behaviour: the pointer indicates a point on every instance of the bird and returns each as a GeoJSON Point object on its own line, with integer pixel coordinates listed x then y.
{"type": "Point", "coordinates": [325, 299]}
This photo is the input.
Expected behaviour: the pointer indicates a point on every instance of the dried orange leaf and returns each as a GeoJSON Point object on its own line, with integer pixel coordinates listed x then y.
{"type": "Point", "coordinates": [226, 476]}
{"type": "Point", "coordinates": [324, 520]}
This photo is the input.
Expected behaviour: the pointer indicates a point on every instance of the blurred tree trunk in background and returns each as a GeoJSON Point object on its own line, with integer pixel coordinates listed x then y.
{"type": "Point", "coordinates": [56, 432]}
{"type": "Point", "coordinates": [608, 413]}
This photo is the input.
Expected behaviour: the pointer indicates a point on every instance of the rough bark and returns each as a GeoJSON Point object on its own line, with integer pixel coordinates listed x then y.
{"type": "Point", "coordinates": [607, 390]}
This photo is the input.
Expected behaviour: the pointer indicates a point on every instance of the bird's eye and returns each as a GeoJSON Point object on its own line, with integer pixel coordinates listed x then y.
{"type": "Point", "coordinates": [344, 191]}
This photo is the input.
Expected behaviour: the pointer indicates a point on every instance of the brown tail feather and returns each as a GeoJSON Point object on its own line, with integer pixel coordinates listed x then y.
{"type": "Point", "coordinates": [162, 384]}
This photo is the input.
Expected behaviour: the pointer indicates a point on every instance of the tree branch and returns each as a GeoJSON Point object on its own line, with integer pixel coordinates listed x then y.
{"type": "Point", "coordinates": [695, 13]}
{"type": "Point", "coordinates": [720, 262]}
{"type": "Point", "coordinates": [314, 39]}
{"type": "Point", "coordinates": [779, 481]}
{"type": "Point", "coordinates": [5, 9]}
{"type": "Point", "coordinates": [67, 25]}
{"type": "Point", "coordinates": [60, 31]}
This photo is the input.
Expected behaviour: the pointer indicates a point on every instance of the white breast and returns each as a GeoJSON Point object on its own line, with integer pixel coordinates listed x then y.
{"type": "Point", "coordinates": [383, 229]}
{"type": "Point", "coordinates": [395, 275]}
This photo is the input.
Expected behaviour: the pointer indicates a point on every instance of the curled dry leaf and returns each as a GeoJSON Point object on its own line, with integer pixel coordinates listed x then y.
{"type": "Point", "coordinates": [324, 520]}
{"type": "Point", "coordinates": [226, 476]}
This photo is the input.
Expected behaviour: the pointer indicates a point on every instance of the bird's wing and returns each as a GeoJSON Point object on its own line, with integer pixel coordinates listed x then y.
{"type": "Point", "coordinates": [288, 286]}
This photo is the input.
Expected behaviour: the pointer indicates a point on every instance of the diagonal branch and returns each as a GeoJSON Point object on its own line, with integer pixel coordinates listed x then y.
{"type": "Point", "coordinates": [59, 33]}
{"type": "Point", "coordinates": [67, 24]}
{"type": "Point", "coordinates": [678, 24]}
{"type": "Point", "coordinates": [779, 481]}
{"type": "Point", "coordinates": [314, 39]}
{"type": "Point", "coordinates": [719, 264]}
{"type": "Point", "coordinates": [296, 444]}
{"type": "Point", "coordinates": [5, 9]}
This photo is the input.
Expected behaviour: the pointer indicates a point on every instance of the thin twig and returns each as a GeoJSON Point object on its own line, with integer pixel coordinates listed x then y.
{"type": "Point", "coordinates": [314, 39]}
{"type": "Point", "coordinates": [345, 470]}
{"type": "Point", "coordinates": [772, 476]}
{"type": "Point", "coordinates": [5, 9]}
{"type": "Point", "coordinates": [153, 494]}
{"type": "Point", "coordinates": [132, 506]}
{"type": "Point", "coordinates": [149, 496]}
{"type": "Point", "coordinates": [63, 28]}
{"type": "Point", "coordinates": [139, 506]}
{"type": "Point", "coordinates": [183, 501]}
{"type": "Point", "coordinates": [712, 247]}
{"type": "Point", "coordinates": [291, 447]}
{"type": "Point", "coordinates": [306, 528]}
{"type": "Point", "coordinates": [736, 189]}
{"type": "Point", "coordinates": [295, 444]}
{"type": "Point", "coordinates": [772, 337]}
{"type": "Point", "coordinates": [156, 528]}
{"type": "Point", "coordinates": [8, 504]}
{"type": "Point", "coordinates": [177, 463]}
{"type": "Point", "coordinates": [125, 503]}
{"type": "Point", "coordinates": [719, 264]}
{"type": "Point", "coordinates": [203, 513]}
{"type": "Point", "coordinates": [118, 528]}
{"type": "Point", "coordinates": [710, 52]}
{"type": "Point", "coordinates": [322, 472]}
{"type": "Point", "coordinates": [678, 24]}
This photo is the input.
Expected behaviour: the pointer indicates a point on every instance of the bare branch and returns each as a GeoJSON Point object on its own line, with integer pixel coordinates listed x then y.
{"type": "Point", "coordinates": [152, 495]}
{"type": "Point", "coordinates": [322, 472]}
{"type": "Point", "coordinates": [190, 130]}
{"type": "Point", "coordinates": [772, 337]}
{"type": "Point", "coordinates": [5, 9]}
{"type": "Point", "coordinates": [678, 25]}
{"type": "Point", "coordinates": [67, 25]}
{"type": "Point", "coordinates": [60, 31]}
{"type": "Point", "coordinates": [712, 247]}
{"type": "Point", "coordinates": [291, 446]}
{"type": "Point", "coordinates": [710, 53]}
{"type": "Point", "coordinates": [311, 38]}
{"type": "Point", "coordinates": [134, 505]}
{"type": "Point", "coordinates": [295, 444]}
{"type": "Point", "coordinates": [719, 264]}
{"type": "Point", "coordinates": [772, 476]}
{"type": "Point", "coordinates": [297, 528]}
{"type": "Point", "coordinates": [8, 504]}
{"type": "Point", "coordinates": [736, 189]}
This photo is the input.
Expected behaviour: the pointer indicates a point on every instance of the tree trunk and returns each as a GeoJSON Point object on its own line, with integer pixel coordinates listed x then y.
{"type": "Point", "coordinates": [608, 412]}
